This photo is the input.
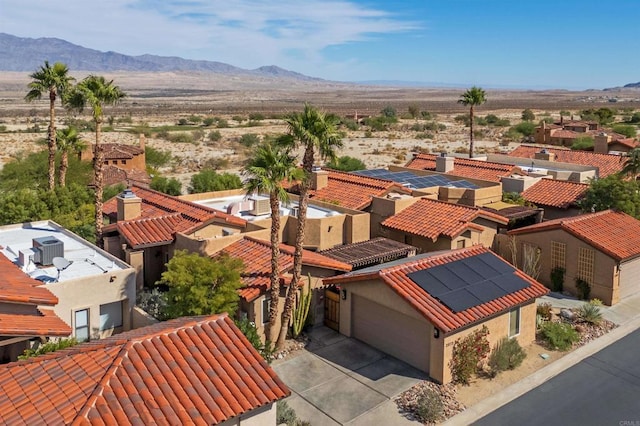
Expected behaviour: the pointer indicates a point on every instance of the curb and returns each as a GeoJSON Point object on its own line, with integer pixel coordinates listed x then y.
{"type": "Point", "coordinates": [517, 389]}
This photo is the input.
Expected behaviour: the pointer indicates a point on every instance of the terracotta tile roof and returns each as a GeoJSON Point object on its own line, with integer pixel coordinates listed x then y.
{"type": "Point", "coordinates": [464, 167]}
{"type": "Point", "coordinates": [566, 134]}
{"type": "Point", "coordinates": [162, 216]}
{"type": "Point", "coordinates": [114, 175]}
{"type": "Point", "coordinates": [555, 193]}
{"type": "Point", "coordinates": [431, 308]}
{"type": "Point", "coordinates": [116, 151]}
{"type": "Point", "coordinates": [350, 190]}
{"type": "Point", "coordinates": [614, 233]}
{"type": "Point", "coordinates": [256, 255]}
{"type": "Point", "coordinates": [628, 142]}
{"type": "Point", "coordinates": [187, 371]}
{"type": "Point", "coordinates": [44, 323]}
{"type": "Point", "coordinates": [606, 163]}
{"type": "Point", "coordinates": [18, 287]}
{"type": "Point", "coordinates": [431, 219]}
{"type": "Point", "coordinates": [370, 252]}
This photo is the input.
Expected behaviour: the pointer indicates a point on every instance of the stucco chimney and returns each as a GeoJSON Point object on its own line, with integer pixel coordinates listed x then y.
{"type": "Point", "coordinates": [129, 205]}
{"type": "Point", "coordinates": [545, 155]}
{"type": "Point", "coordinates": [319, 178]}
{"type": "Point", "coordinates": [601, 143]}
{"type": "Point", "coordinates": [444, 164]}
{"type": "Point", "coordinates": [142, 141]}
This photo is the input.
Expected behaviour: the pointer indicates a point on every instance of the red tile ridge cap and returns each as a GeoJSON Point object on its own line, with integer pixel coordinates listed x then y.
{"type": "Point", "coordinates": [557, 223]}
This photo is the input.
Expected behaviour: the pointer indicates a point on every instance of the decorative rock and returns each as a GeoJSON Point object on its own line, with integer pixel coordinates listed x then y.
{"type": "Point", "coordinates": [544, 356]}
{"type": "Point", "coordinates": [567, 314]}
{"type": "Point", "coordinates": [408, 400]}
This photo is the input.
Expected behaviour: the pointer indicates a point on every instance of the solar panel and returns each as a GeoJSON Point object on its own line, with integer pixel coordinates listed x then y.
{"type": "Point", "coordinates": [416, 180]}
{"type": "Point", "coordinates": [469, 282]}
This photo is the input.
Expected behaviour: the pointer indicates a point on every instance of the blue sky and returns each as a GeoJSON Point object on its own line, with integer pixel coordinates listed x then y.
{"type": "Point", "coordinates": [493, 43]}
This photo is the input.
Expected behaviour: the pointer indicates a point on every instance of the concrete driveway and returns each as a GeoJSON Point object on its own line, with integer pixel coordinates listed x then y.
{"type": "Point", "coordinates": [337, 380]}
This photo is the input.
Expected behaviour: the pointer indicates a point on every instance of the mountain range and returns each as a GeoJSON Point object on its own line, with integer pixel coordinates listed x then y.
{"type": "Point", "coordinates": [28, 54]}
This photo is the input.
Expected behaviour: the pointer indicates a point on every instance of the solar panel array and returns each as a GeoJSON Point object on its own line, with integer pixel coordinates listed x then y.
{"type": "Point", "coordinates": [414, 181]}
{"type": "Point", "coordinates": [469, 282]}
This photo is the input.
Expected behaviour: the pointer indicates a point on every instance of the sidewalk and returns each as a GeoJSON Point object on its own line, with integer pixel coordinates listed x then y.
{"type": "Point", "coordinates": [626, 314]}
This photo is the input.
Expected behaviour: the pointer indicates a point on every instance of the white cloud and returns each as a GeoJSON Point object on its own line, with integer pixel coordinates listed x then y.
{"type": "Point", "coordinates": [245, 33]}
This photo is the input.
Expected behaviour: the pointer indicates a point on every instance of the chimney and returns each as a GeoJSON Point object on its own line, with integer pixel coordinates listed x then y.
{"type": "Point", "coordinates": [561, 119]}
{"type": "Point", "coordinates": [142, 141]}
{"type": "Point", "coordinates": [444, 164]}
{"type": "Point", "coordinates": [129, 205]}
{"type": "Point", "coordinates": [601, 143]}
{"type": "Point", "coordinates": [319, 178]}
{"type": "Point", "coordinates": [545, 155]}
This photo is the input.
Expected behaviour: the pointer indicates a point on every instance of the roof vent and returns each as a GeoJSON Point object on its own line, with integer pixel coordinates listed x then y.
{"type": "Point", "coordinates": [544, 151]}
{"type": "Point", "coordinates": [443, 154]}
{"type": "Point", "coordinates": [128, 193]}
{"type": "Point", "coordinates": [316, 168]}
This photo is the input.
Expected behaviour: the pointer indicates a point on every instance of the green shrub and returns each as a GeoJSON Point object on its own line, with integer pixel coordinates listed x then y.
{"type": "Point", "coordinates": [251, 333]}
{"type": "Point", "coordinates": [181, 137]}
{"type": "Point", "coordinates": [584, 289]}
{"type": "Point", "coordinates": [256, 116]}
{"type": "Point", "coordinates": [544, 310]}
{"type": "Point", "coordinates": [170, 186]}
{"type": "Point", "coordinates": [557, 279]}
{"type": "Point", "coordinates": [215, 136]}
{"type": "Point", "coordinates": [48, 347]}
{"type": "Point", "coordinates": [208, 180]}
{"type": "Point", "coordinates": [467, 354]}
{"type": "Point", "coordinates": [526, 128]}
{"type": "Point", "coordinates": [626, 130]}
{"type": "Point", "coordinates": [249, 139]}
{"type": "Point", "coordinates": [368, 134]}
{"type": "Point", "coordinates": [346, 164]}
{"type": "Point", "coordinates": [209, 121]}
{"type": "Point", "coordinates": [583, 143]}
{"type": "Point", "coordinates": [596, 302]}
{"type": "Point", "coordinates": [507, 355]}
{"type": "Point", "coordinates": [3, 128]}
{"type": "Point", "coordinates": [429, 407]}
{"type": "Point", "coordinates": [285, 414]}
{"type": "Point", "coordinates": [156, 158]}
{"type": "Point", "coordinates": [589, 313]}
{"type": "Point", "coordinates": [182, 122]}
{"type": "Point", "coordinates": [350, 124]}
{"type": "Point", "coordinates": [223, 124]}
{"type": "Point", "coordinates": [559, 335]}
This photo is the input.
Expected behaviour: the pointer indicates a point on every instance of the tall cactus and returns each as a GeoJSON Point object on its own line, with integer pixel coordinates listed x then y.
{"type": "Point", "coordinates": [302, 311]}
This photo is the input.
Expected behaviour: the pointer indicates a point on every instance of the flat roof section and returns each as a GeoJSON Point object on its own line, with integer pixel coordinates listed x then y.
{"type": "Point", "coordinates": [83, 259]}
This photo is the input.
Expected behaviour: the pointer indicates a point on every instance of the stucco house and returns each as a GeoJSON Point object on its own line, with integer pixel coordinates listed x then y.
{"type": "Point", "coordinates": [557, 198]}
{"type": "Point", "coordinates": [434, 225]}
{"type": "Point", "coordinates": [254, 297]}
{"type": "Point", "coordinates": [565, 133]}
{"type": "Point", "coordinates": [463, 167]}
{"type": "Point", "coordinates": [123, 164]}
{"type": "Point", "coordinates": [600, 248]}
{"type": "Point", "coordinates": [25, 312]}
{"type": "Point", "coordinates": [416, 308]}
{"type": "Point", "coordinates": [199, 370]}
{"type": "Point", "coordinates": [95, 290]}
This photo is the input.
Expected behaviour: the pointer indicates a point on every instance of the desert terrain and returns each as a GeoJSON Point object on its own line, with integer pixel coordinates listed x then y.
{"type": "Point", "coordinates": [167, 99]}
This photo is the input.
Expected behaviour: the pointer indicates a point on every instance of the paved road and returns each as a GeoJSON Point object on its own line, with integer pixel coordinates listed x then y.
{"type": "Point", "coordinates": [603, 389]}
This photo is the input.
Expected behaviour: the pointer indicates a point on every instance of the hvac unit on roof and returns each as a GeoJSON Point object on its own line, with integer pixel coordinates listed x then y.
{"type": "Point", "coordinates": [260, 206]}
{"type": "Point", "coordinates": [46, 248]}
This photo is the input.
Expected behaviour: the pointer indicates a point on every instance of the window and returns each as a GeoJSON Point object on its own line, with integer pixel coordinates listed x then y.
{"type": "Point", "coordinates": [460, 244]}
{"type": "Point", "coordinates": [81, 321]}
{"type": "Point", "coordinates": [514, 322]}
{"type": "Point", "coordinates": [266, 305]}
{"type": "Point", "coordinates": [586, 258]}
{"type": "Point", "coordinates": [110, 315]}
{"type": "Point", "coordinates": [123, 161]}
{"type": "Point", "coordinates": [558, 255]}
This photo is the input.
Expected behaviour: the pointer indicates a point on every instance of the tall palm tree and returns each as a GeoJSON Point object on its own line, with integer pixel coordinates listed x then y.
{"type": "Point", "coordinates": [68, 142]}
{"type": "Point", "coordinates": [471, 98]}
{"type": "Point", "coordinates": [54, 80]}
{"type": "Point", "coordinates": [314, 131]}
{"type": "Point", "coordinates": [270, 165]}
{"type": "Point", "coordinates": [96, 92]}
{"type": "Point", "coordinates": [632, 164]}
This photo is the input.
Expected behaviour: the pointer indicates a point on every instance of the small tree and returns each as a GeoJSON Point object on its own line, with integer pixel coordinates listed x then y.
{"type": "Point", "coordinates": [507, 355]}
{"type": "Point", "coordinates": [626, 130]}
{"type": "Point", "coordinates": [209, 180]}
{"type": "Point", "coordinates": [613, 192]}
{"type": "Point", "coordinates": [467, 354]}
{"type": "Point", "coordinates": [201, 285]}
{"type": "Point", "coordinates": [388, 112]}
{"type": "Point", "coordinates": [170, 186]}
{"type": "Point", "coordinates": [528, 115]}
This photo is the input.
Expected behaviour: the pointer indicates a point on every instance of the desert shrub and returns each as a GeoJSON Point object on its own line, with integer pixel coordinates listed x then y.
{"type": "Point", "coordinates": [507, 355]}
{"type": "Point", "coordinates": [596, 302]}
{"type": "Point", "coordinates": [423, 135]}
{"type": "Point", "coordinates": [252, 123]}
{"type": "Point", "coordinates": [181, 137]}
{"type": "Point", "coordinates": [349, 124]}
{"type": "Point", "coordinates": [198, 134]}
{"type": "Point", "coordinates": [48, 348]}
{"type": "Point", "coordinates": [238, 118]}
{"type": "Point", "coordinates": [170, 186]}
{"type": "Point", "coordinates": [480, 121]}
{"type": "Point", "coordinates": [182, 122]}
{"type": "Point", "coordinates": [3, 128]}
{"type": "Point", "coordinates": [526, 128]}
{"type": "Point", "coordinates": [584, 289]}
{"type": "Point", "coordinates": [256, 116]}
{"type": "Point", "coordinates": [467, 354]}
{"type": "Point", "coordinates": [223, 124]}
{"type": "Point", "coordinates": [429, 407]}
{"type": "Point", "coordinates": [583, 143]}
{"type": "Point", "coordinates": [249, 139]}
{"type": "Point", "coordinates": [557, 279]}
{"type": "Point", "coordinates": [426, 115]}
{"type": "Point", "coordinates": [380, 123]}
{"type": "Point", "coordinates": [285, 414]}
{"type": "Point", "coordinates": [559, 335]}
{"type": "Point", "coordinates": [528, 115]}
{"type": "Point", "coordinates": [544, 310]}
{"type": "Point", "coordinates": [513, 198]}
{"type": "Point", "coordinates": [208, 180]}
{"type": "Point", "coordinates": [194, 119]}
{"type": "Point", "coordinates": [153, 302]}
{"type": "Point", "coordinates": [389, 112]}
{"type": "Point", "coordinates": [625, 129]}
{"type": "Point", "coordinates": [251, 333]}
{"type": "Point", "coordinates": [590, 313]}
{"type": "Point", "coordinates": [368, 134]}
{"type": "Point", "coordinates": [462, 119]}
{"type": "Point", "coordinates": [209, 121]}
{"type": "Point", "coordinates": [155, 157]}
{"type": "Point", "coordinates": [346, 164]}
{"type": "Point", "coordinates": [215, 136]}
{"type": "Point", "coordinates": [216, 163]}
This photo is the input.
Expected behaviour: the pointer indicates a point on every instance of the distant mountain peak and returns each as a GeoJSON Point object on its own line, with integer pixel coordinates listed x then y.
{"type": "Point", "coordinates": [27, 54]}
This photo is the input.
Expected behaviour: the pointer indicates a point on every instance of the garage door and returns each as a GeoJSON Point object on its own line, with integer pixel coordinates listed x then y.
{"type": "Point", "coordinates": [391, 332]}
{"type": "Point", "coordinates": [629, 278]}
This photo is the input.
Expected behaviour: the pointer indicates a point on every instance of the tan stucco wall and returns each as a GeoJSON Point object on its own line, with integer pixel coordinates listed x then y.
{"type": "Point", "coordinates": [357, 228]}
{"type": "Point", "coordinates": [488, 235]}
{"type": "Point", "coordinates": [471, 197]}
{"type": "Point", "coordinates": [551, 213]}
{"type": "Point", "coordinates": [93, 291]}
{"type": "Point", "coordinates": [605, 286]}
{"type": "Point", "coordinates": [498, 328]}
{"type": "Point", "coordinates": [141, 319]}
{"type": "Point", "coordinates": [262, 416]}
{"type": "Point", "coordinates": [382, 208]}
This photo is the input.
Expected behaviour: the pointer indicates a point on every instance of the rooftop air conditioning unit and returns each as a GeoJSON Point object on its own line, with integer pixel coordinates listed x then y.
{"type": "Point", "coordinates": [46, 248]}
{"type": "Point", "coordinates": [260, 206]}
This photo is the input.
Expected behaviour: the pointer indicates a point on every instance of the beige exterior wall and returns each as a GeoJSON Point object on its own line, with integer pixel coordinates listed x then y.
{"type": "Point", "coordinates": [498, 328]}
{"type": "Point", "coordinates": [262, 416]}
{"type": "Point", "coordinates": [605, 270]}
{"type": "Point", "coordinates": [93, 291]}
{"type": "Point", "coordinates": [357, 228]}
{"type": "Point", "coordinates": [382, 208]}
{"type": "Point", "coordinates": [487, 236]}
{"type": "Point", "coordinates": [471, 197]}
{"type": "Point", "coordinates": [551, 213]}
{"type": "Point", "coordinates": [141, 319]}
{"type": "Point", "coordinates": [466, 239]}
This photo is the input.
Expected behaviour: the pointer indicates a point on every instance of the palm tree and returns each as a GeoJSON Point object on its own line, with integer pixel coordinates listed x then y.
{"type": "Point", "coordinates": [270, 165]}
{"type": "Point", "coordinates": [632, 164]}
{"type": "Point", "coordinates": [96, 92]}
{"type": "Point", "coordinates": [314, 131]}
{"type": "Point", "coordinates": [55, 81]}
{"type": "Point", "coordinates": [472, 97]}
{"type": "Point", "coordinates": [68, 141]}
